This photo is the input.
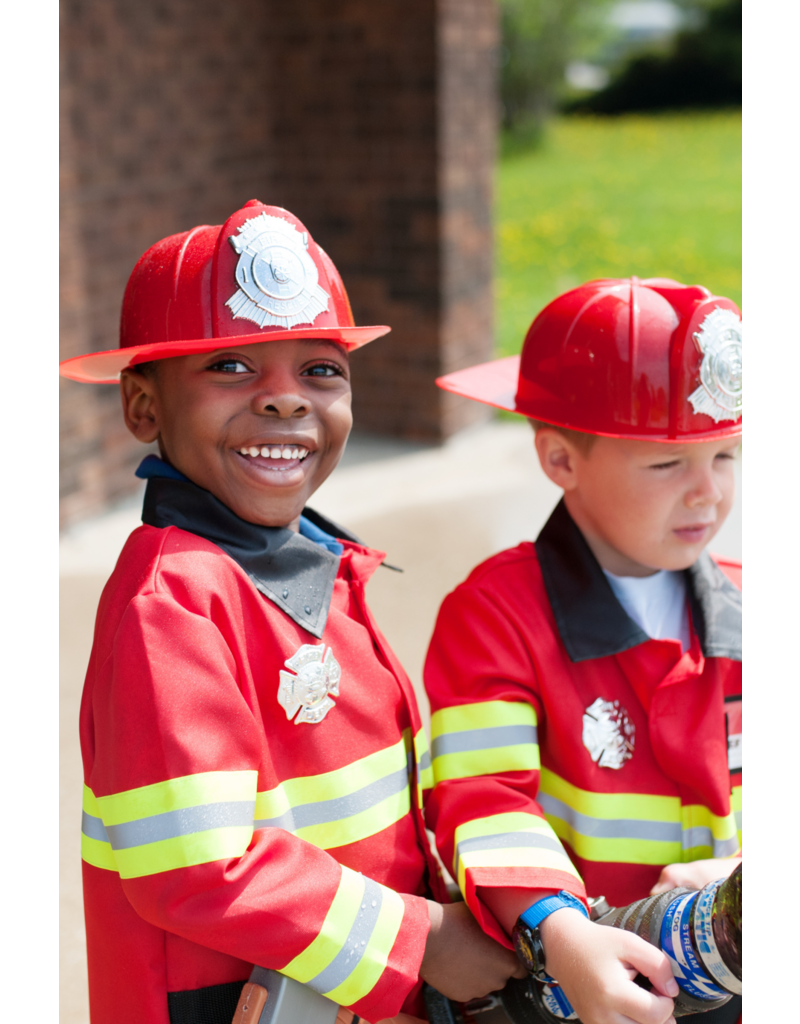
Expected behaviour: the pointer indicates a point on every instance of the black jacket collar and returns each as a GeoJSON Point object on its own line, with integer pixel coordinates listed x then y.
{"type": "Point", "coordinates": [591, 621]}
{"type": "Point", "coordinates": [293, 572]}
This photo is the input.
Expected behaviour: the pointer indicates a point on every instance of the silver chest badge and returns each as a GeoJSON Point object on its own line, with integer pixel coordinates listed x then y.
{"type": "Point", "coordinates": [608, 733]}
{"type": "Point", "coordinates": [278, 280]}
{"type": "Point", "coordinates": [720, 340]}
{"type": "Point", "coordinates": [309, 691]}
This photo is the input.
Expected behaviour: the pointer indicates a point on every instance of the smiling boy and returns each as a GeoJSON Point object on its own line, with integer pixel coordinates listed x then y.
{"type": "Point", "coordinates": [253, 753]}
{"type": "Point", "coordinates": [586, 689]}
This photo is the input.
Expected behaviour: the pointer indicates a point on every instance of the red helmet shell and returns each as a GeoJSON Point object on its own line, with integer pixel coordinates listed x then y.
{"type": "Point", "coordinates": [258, 277]}
{"type": "Point", "coordinates": [650, 360]}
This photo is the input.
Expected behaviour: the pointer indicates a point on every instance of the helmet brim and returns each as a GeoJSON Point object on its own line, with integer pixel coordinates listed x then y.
{"type": "Point", "coordinates": [106, 367]}
{"type": "Point", "coordinates": [495, 383]}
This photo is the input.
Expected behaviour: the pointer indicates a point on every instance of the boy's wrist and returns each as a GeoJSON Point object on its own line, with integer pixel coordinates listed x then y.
{"type": "Point", "coordinates": [529, 932]}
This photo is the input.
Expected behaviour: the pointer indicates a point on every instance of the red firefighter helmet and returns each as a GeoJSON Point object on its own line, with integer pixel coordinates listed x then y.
{"type": "Point", "coordinates": [652, 360]}
{"type": "Point", "coordinates": [258, 277]}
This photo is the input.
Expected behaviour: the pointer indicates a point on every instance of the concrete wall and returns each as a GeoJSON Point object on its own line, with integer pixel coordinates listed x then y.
{"type": "Point", "coordinates": [373, 122]}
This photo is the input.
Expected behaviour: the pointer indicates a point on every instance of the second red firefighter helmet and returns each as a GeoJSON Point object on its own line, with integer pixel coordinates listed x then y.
{"type": "Point", "coordinates": [258, 277]}
{"type": "Point", "coordinates": [652, 360]}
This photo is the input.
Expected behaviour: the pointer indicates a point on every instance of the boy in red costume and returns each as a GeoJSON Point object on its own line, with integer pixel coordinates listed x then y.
{"type": "Point", "coordinates": [253, 752]}
{"type": "Point", "coordinates": [586, 689]}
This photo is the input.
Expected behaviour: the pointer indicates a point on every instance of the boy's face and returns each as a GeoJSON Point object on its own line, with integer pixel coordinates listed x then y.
{"type": "Point", "coordinates": [261, 426]}
{"type": "Point", "coordinates": [643, 505]}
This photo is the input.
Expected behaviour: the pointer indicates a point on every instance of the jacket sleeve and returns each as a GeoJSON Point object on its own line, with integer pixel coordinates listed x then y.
{"type": "Point", "coordinates": [490, 830]}
{"type": "Point", "coordinates": [171, 804]}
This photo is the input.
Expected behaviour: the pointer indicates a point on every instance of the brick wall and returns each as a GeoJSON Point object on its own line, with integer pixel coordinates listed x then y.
{"type": "Point", "coordinates": [372, 121]}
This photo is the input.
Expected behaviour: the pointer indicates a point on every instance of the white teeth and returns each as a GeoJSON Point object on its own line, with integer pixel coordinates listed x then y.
{"type": "Point", "coordinates": [286, 453]}
{"type": "Point", "coordinates": [265, 453]}
{"type": "Point", "coordinates": [253, 451]}
{"type": "Point", "coordinates": [295, 453]}
{"type": "Point", "coordinates": [274, 453]}
{"type": "Point", "coordinates": [303, 454]}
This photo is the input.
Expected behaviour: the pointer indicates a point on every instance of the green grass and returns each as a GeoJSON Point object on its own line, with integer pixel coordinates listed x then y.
{"type": "Point", "coordinates": [655, 196]}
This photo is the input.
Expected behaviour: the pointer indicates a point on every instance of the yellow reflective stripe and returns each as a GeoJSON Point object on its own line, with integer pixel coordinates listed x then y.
{"type": "Point", "coordinates": [343, 806]}
{"type": "Point", "coordinates": [183, 851]}
{"type": "Point", "coordinates": [97, 853]}
{"type": "Point", "coordinates": [633, 827]}
{"type": "Point", "coordinates": [312, 789]}
{"type": "Point", "coordinates": [610, 805]}
{"type": "Point", "coordinates": [177, 823]}
{"type": "Point", "coordinates": [350, 952]}
{"type": "Point", "coordinates": [736, 808]}
{"type": "Point", "coordinates": [334, 932]}
{"type": "Point", "coordinates": [609, 827]}
{"type": "Point", "coordinates": [707, 835]}
{"type": "Point", "coordinates": [422, 756]}
{"type": "Point", "coordinates": [329, 835]}
{"type": "Point", "coordinates": [177, 794]}
{"type": "Point", "coordinates": [483, 739]}
{"type": "Point", "coordinates": [513, 839]}
{"type": "Point", "coordinates": [376, 956]}
{"type": "Point", "coordinates": [95, 847]}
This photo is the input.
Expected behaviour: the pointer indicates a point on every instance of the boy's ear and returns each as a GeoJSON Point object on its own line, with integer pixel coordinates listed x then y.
{"type": "Point", "coordinates": [557, 457]}
{"type": "Point", "coordinates": [139, 406]}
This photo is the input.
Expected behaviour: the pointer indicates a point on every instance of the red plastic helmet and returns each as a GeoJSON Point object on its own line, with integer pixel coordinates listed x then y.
{"type": "Point", "coordinates": [652, 360]}
{"type": "Point", "coordinates": [258, 277]}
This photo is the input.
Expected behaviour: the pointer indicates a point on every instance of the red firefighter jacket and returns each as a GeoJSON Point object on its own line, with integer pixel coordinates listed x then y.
{"type": "Point", "coordinates": [570, 751]}
{"type": "Point", "coordinates": [254, 762]}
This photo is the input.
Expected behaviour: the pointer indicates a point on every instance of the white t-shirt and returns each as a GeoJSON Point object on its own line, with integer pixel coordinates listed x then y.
{"type": "Point", "coordinates": [657, 603]}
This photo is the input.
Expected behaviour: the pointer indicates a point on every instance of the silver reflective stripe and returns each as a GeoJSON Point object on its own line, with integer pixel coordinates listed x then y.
{"type": "Point", "coordinates": [506, 841]}
{"type": "Point", "coordinates": [611, 828]}
{"type": "Point", "coordinates": [484, 739]}
{"type": "Point", "coordinates": [355, 945]}
{"type": "Point", "coordinates": [93, 828]}
{"type": "Point", "coordinates": [738, 816]}
{"type": "Point", "coordinates": [425, 761]}
{"type": "Point", "coordinates": [183, 822]}
{"type": "Point", "coordinates": [701, 835]}
{"type": "Point", "coordinates": [340, 807]}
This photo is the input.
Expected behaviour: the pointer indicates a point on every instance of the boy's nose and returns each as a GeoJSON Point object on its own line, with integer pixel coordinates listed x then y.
{"type": "Point", "coordinates": [281, 403]}
{"type": "Point", "coordinates": [278, 396]}
{"type": "Point", "coordinates": [705, 491]}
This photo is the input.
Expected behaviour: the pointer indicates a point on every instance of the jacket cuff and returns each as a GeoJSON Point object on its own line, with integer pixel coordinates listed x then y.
{"type": "Point", "coordinates": [514, 878]}
{"type": "Point", "coordinates": [403, 961]}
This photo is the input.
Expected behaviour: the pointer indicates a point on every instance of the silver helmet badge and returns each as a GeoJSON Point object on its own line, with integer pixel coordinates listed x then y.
{"type": "Point", "coordinates": [720, 340]}
{"type": "Point", "coordinates": [277, 278]}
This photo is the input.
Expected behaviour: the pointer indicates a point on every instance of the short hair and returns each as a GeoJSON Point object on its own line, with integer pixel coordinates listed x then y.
{"type": "Point", "coordinates": [583, 441]}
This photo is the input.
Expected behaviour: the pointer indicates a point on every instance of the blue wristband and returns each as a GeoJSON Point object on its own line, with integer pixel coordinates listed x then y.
{"type": "Point", "coordinates": [543, 908]}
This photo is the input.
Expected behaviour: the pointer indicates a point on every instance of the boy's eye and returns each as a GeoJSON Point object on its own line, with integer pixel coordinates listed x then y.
{"type": "Point", "coordinates": [665, 465]}
{"type": "Point", "coordinates": [229, 366]}
{"type": "Point", "coordinates": [322, 370]}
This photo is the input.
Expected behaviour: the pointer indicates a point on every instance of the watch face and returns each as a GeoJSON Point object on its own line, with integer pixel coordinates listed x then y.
{"type": "Point", "coordinates": [529, 948]}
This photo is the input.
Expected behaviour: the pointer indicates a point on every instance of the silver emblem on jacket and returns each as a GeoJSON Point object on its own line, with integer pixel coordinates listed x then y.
{"type": "Point", "coordinates": [309, 692]}
{"type": "Point", "coordinates": [608, 734]}
{"type": "Point", "coordinates": [720, 340]}
{"type": "Point", "coordinates": [277, 278]}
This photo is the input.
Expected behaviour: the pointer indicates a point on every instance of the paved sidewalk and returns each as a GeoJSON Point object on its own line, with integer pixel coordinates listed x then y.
{"type": "Point", "coordinates": [437, 512]}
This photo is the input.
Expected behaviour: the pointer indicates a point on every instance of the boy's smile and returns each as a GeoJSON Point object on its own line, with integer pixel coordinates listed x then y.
{"type": "Point", "coordinates": [643, 505]}
{"type": "Point", "coordinates": [261, 426]}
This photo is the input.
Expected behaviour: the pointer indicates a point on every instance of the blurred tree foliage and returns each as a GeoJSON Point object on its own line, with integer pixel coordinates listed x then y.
{"type": "Point", "coordinates": [701, 69]}
{"type": "Point", "coordinates": [540, 37]}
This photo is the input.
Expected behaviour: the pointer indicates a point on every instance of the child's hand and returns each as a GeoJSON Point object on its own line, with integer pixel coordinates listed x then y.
{"type": "Point", "coordinates": [596, 966]}
{"type": "Point", "coordinates": [695, 874]}
{"type": "Point", "coordinates": [460, 960]}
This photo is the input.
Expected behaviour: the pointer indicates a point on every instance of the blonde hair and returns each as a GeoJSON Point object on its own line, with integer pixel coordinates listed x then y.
{"type": "Point", "coordinates": [583, 442]}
